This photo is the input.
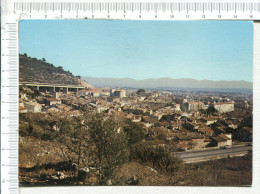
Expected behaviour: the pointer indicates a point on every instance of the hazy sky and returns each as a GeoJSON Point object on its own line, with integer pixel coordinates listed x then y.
{"type": "Point", "coordinates": [214, 50]}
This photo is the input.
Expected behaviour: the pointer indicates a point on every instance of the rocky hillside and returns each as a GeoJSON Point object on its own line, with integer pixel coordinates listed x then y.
{"type": "Point", "coordinates": [36, 70]}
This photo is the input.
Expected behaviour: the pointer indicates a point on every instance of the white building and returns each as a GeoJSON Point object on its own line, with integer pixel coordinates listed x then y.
{"type": "Point", "coordinates": [223, 107]}
{"type": "Point", "coordinates": [177, 107]}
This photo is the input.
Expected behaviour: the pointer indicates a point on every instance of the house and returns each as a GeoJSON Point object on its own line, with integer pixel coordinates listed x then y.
{"type": "Point", "coordinates": [175, 125]}
{"type": "Point", "coordinates": [177, 107]}
{"type": "Point", "coordinates": [148, 121]}
{"type": "Point", "coordinates": [218, 141]}
{"type": "Point", "coordinates": [228, 138]}
{"type": "Point", "coordinates": [33, 107]}
{"type": "Point", "coordinates": [23, 96]}
{"type": "Point", "coordinates": [56, 95]}
{"type": "Point", "coordinates": [52, 101]}
{"type": "Point", "coordinates": [184, 142]}
{"type": "Point", "coordinates": [206, 130]}
{"type": "Point", "coordinates": [209, 120]}
{"type": "Point", "coordinates": [231, 123]}
{"type": "Point", "coordinates": [191, 126]}
{"type": "Point", "coordinates": [222, 140]}
{"type": "Point", "coordinates": [98, 108]}
{"type": "Point", "coordinates": [22, 109]}
{"type": "Point", "coordinates": [162, 124]}
{"type": "Point", "coordinates": [198, 143]}
{"type": "Point", "coordinates": [137, 118]}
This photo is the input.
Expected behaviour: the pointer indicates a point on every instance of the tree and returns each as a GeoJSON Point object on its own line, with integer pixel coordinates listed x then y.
{"type": "Point", "coordinates": [134, 132]}
{"type": "Point", "coordinates": [140, 92]}
{"type": "Point", "coordinates": [211, 110]}
{"type": "Point", "coordinates": [202, 111]}
{"type": "Point", "coordinates": [35, 93]}
{"type": "Point", "coordinates": [43, 59]}
{"type": "Point", "coordinates": [184, 108]}
{"type": "Point", "coordinates": [109, 145]}
{"type": "Point", "coordinates": [92, 140]}
{"type": "Point", "coordinates": [60, 68]}
{"type": "Point", "coordinates": [72, 139]}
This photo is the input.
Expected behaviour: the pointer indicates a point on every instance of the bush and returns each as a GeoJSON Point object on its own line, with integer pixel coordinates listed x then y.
{"type": "Point", "coordinates": [158, 157]}
{"type": "Point", "coordinates": [134, 132]}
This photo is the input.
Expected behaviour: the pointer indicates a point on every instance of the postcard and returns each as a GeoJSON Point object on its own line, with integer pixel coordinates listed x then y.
{"type": "Point", "coordinates": [140, 103]}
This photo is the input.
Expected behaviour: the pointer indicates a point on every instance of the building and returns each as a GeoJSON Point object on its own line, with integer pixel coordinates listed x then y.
{"type": "Point", "coordinates": [209, 120]}
{"type": "Point", "coordinates": [206, 130]}
{"type": "Point", "coordinates": [184, 142]}
{"type": "Point", "coordinates": [22, 109]}
{"type": "Point", "coordinates": [198, 143]}
{"type": "Point", "coordinates": [177, 107]}
{"type": "Point", "coordinates": [191, 126]}
{"type": "Point", "coordinates": [223, 107]}
{"type": "Point", "coordinates": [52, 101]}
{"type": "Point", "coordinates": [137, 118]}
{"type": "Point", "coordinates": [98, 92]}
{"type": "Point", "coordinates": [82, 93]}
{"type": "Point", "coordinates": [118, 93]}
{"type": "Point", "coordinates": [194, 106]}
{"type": "Point", "coordinates": [228, 138]}
{"type": "Point", "coordinates": [56, 95]}
{"type": "Point", "coordinates": [33, 107]}
{"type": "Point", "coordinates": [223, 140]}
{"type": "Point", "coordinates": [219, 142]}
{"type": "Point", "coordinates": [98, 108]}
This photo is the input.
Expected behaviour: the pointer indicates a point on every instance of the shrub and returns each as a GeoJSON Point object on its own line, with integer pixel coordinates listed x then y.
{"type": "Point", "coordinates": [158, 157]}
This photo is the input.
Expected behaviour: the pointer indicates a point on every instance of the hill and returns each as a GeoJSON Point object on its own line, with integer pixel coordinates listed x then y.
{"type": "Point", "coordinates": [36, 70]}
{"type": "Point", "coordinates": [168, 83]}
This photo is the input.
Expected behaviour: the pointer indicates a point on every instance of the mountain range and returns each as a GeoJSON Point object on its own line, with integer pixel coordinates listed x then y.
{"type": "Point", "coordinates": [167, 83]}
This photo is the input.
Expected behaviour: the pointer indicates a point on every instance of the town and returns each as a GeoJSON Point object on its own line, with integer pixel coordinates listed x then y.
{"type": "Point", "coordinates": [183, 120]}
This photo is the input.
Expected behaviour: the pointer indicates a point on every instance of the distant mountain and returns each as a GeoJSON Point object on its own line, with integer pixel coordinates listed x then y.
{"type": "Point", "coordinates": [38, 70]}
{"type": "Point", "coordinates": [166, 83]}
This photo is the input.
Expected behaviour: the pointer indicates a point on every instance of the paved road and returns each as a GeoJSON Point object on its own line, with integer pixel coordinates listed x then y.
{"type": "Point", "coordinates": [213, 152]}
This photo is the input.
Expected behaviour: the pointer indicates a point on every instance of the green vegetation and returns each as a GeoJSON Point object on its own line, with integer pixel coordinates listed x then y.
{"type": "Point", "coordinates": [210, 111]}
{"type": "Point", "coordinates": [36, 70]}
{"type": "Point", "coordinates": [109, 149]}
{"type": "Point", "coordinates": [141, 92]}
{"type": "Point", "coordinates": [134, 132]}
{"type": "Point", "coordinates": [157, 157]}
{"type": "Point", "coordinates": [50, 145]}
{"type": "Point", "coordinates": [91, 140]}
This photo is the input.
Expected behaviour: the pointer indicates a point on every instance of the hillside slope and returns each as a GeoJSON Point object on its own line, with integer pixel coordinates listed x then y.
{"type": "Point", "coordinates": [35, 70]}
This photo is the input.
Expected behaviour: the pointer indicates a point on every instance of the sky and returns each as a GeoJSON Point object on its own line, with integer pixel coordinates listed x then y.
{"type": "Point", "coordinates": [212, 50]}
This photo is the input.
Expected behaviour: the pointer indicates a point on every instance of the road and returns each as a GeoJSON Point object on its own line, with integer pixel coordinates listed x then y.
{"type": "Point", "coordinates": [212, 154]}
